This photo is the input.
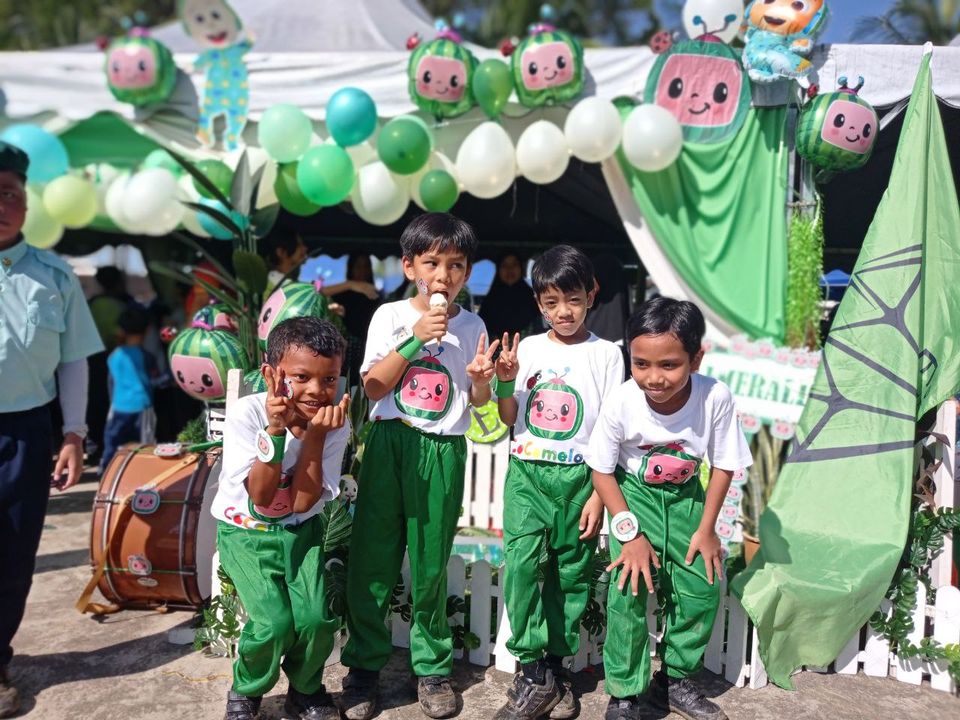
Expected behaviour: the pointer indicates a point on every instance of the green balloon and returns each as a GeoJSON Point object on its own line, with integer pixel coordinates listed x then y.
{"type": "Point", "coordinates": [438, 191]}
{"type": "Point", "coordinates": [160, 158]}
{"type": "Point", "coordinates": [289, 194]}
{"type": "Point", "coordinates": [492, 85]}
{"type": "Point", "coordinates": [325, 174]}
{"type": "Point", "coordinates": [404, 144]}
{"type": "Point", "coordinates": [217, 172]}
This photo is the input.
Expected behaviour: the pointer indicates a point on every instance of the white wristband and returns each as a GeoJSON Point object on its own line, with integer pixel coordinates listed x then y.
{"type": "Point", "coordinates": [624, 526]}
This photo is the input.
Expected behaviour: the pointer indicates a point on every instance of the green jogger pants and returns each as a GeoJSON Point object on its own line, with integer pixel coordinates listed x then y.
{"type": "Point", "coordinates": [279, 579]}
{"type": "Point", "coordinates": [542, 505]}
{"type": "Point", "coordinates": [668, 516]}
{"type": "Point", "coordinates": [410, 490]}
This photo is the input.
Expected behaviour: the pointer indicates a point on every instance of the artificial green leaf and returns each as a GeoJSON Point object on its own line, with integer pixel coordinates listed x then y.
{"type": "Point", "coordinates": [263, 220]}
{"type": "Point", "coordinates": [199, 177]}
{"type": "Point", "coordinates": [227, 224]}
{"type": "Point", "coordinates": [240, 187]}
{"type": "Point", "coordinates": [251, 271]}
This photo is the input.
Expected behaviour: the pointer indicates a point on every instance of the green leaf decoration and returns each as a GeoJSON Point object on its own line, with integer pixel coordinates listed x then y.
{"type": "Point", "coordinates": [200, 177]}
{"type": "Point", "coordinates": [263, 220]}
{"type": "Point", "coordinates": [251, 271]}
{"type": "Point", "coordinates": [240, 186]}
{"type": "Point", "coordinates": [228, 224]}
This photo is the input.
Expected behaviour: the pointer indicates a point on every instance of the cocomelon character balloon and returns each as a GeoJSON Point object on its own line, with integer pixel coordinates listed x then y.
{"type": "Point", "coordinates": [215, 316]}
{"type": "Point", "coordinates": [426, 388]}
{"type": "Point", "coordinates": [703, 85]}
{"type": "Point", "coordinates": [253, 379]}
{"type": "Point", "coordinates": [547, 67]}
{"type": "Point", "coordinates": [289, 301]}
{"type": "Point", "coordinates": [836, 131]}
{"type": "Point", "coordinates": [214, 25]}
{"type": "Point", "coordinates": [554, 410]}
{"type": "Point", "coordinates": [668, 464]}
{"type": "Point", "coordinates": [719, 18]}
{"type": "Point", "coordinates": [779, 33]}
{"type": "Point", "coordinates": [280, 507]}
{"type": "Point", "coordinates": [140, 70]}
{"type": "Point", "coordinates": [200, 360]}
{"type": "Point", "coordinates": [440, 74]}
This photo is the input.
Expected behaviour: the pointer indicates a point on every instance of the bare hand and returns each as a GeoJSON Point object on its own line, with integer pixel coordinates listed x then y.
{"type": "Point", "coordinates": [331, 417]}
{"type": "Point", "coordinates": [481, 370]}
{"type": "Point", "coordinates": [507, 366]}
{"type": "Point", "coordinates": [707, 544]}
{"type": "Point", "coordinates": [281, 413]}
{"type": "Point", "coordinates": [69, 461]}
{"type": "Point", "coordinates": [432, 325]}
{"type": "Point", "coordinates": [365, 288]}
{"type": "Point", "coordinates": [591, 518]}
{"type": "Point", "coordinates": [636, 557]}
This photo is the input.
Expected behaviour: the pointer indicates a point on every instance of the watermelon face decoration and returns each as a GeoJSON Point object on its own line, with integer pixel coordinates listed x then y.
{"type": "Point", "coordinates": [425, 391]}
{"type": "Point", "coordinates": [439, 75]}
{"type": "Point", "coordinates": [291, 300]}
{"type": "Point", "coordinates": [554, 410]}
{"type": "Point", "coordinates": [837, 131]}
{"type": "Point", "coordinates": [200, 360]}
{"type": "Point", "coordinates": [547, 68]}
{"type": "Point", "coordinates": [668, 464]}
{"type": "Point", "coordinates": [215, 316]}
{"type": "Point", "coordinates": [280, 507]}
{"type": "Point", "coordinates": [140, 70]}
{"type": "Point", "coordinates": [704, 86]}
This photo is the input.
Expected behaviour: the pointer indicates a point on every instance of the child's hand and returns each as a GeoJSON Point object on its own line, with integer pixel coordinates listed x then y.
{"type": "Point", "coordinates": [432, 325]}
{"type": "Point", "coordinates": [636, 557]}
{"type": "Point", "coordinates": [507, 366]}
{"type": "Point", "coordinates": [707, 544]}
{"type": "Point", "coordinates": [481, 370]}
{"type": "Point", "coordinates": [591, 518]}
{"type": "Point", "coordinates": [331, 417]}
{"type": "Point", "coordinates": [279, 407]}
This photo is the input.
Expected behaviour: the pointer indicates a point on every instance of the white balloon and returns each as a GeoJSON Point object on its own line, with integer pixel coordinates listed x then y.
{"type": "Point", "coordinates": [716, 17]}
{"type": "Point", "coordinates": [652, 138]}
{"type": "Point", "coordinates": [593, 129]}
{"type": "Point", "coordinates": [378, 196]}
{"type": "Point", "coordinates": [115, 205]}
{"type": "Point", "coordinates": [150, 201]}
{"type": "Point", "coordinates": [542, 153]}
{"type": "Point", "coordinates": [187, 192]}
{"type": "Point", "coordinates": [486, 162]}
{"type": "Point", "coordinates": [437, 161]}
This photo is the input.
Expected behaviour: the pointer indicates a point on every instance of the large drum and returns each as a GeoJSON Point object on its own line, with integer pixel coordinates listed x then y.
{"type": "Point", "coordinates": [152, 537]}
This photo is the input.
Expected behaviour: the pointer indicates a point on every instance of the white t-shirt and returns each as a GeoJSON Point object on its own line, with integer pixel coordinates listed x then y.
{"type": "Point", "coordinates": [232, 504]}
{"type": "Point", "coordinates": [434, 393]}
{"type": "Point", "coordinates": [560, 389]}
{"type": "Point", "coordinates": [669, 448]}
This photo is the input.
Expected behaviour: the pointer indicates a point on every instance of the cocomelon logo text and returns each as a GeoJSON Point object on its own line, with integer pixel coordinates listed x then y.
{"type": "Point", "coordinates": [531, 451]}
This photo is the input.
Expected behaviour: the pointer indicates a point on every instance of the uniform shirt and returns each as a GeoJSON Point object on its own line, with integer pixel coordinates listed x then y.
{"type": "Point", "coordinates": [433, 394]}
{"type": "Point", "coordinates": [669, 448]}
{"type": "Point", "coordinates": [559, 392]}
{"type": "Point", "coordinates": [129, 379]}
{"type": "Point", "coordinates": [44, 321]}
{"type": "Point", "coordinates": [232, 504]}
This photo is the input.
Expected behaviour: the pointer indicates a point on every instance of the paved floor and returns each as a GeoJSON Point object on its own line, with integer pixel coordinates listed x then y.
{"type": "Point", "coordinates": [70, 666]}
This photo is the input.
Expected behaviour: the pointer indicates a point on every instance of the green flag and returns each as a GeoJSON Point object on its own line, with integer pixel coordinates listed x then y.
{"type": "Point", "coordinates": [836, 525]}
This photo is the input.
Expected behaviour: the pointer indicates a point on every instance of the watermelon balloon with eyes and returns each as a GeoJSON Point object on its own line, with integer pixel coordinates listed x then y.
{"type": "Point", "coordinates": [554, 410]}
{"type": "Point", "coordinates": [426, 389]}
{"type": "Point", "coordinates": [140, 70]}
{"type": "Point", "coordinates": [836, 131]}
{"type": "Point", "coordinates": [200, 360]}
{"type": "Point", "coordinates": [703, 84]}
{"type": "Point", "coordinates": [291, 300]}
{"type": "Point", "coordinates": [440, 74]}
{"type": "Point", "coordinates": [547, 67]}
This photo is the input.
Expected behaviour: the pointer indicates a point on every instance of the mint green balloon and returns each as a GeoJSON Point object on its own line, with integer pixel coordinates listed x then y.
{"type": "Point", "coordinates": [404, 144]}
{"type": "Point", "coordinates": [284, 132]}
{"type": "Point", "coordinates": [160, 158]}
{"type": "Point", "coordinates": [438, 191]}
{"type": "Point", "coordinates": [325, 174]}
{"type": "Point", "coordinates": [492, 85]}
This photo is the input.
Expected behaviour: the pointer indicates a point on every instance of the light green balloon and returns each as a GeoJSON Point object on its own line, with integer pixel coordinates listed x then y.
{"type": "Point", "coordinates": [217, 172]}
{"type": "Point", "coordinates": [289, 194]}
{"type": "Point", "coordinates": [492, 85]}
{"type": "Point", "coordinates": [326, 175]}
{"type": "Point", "coordinates": [404, 144]}
{"type": "Point", "coordinates": [284, 132]}
{"type": "Point", "coordinates": [71, 201]}
{"type": "Point", "coordinates": [160, 158]}
{"type": "Point", "coordinates": [39, 229]}
{"type": "Point", "coordinates": [439, 191]}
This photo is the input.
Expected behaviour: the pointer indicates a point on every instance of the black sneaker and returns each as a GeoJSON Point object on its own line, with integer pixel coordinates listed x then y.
{"type": "Point", "coordinates": [358, 701]}
{"type": "Point", "coordinates": [625, 708]}
{"type": "Point", "coordinates": [527, 699]}
{"type": "Point", "coordinates": [437, 699]}
{"type": "Point", "coordinates": [316, 706]}
{"type": "Point", "coordinates": [569, 704]}
{"type": "Point", "coordinates": [9, 697]}
{"type": "Point", "coordinates": [241, 707]}
{"type": "Point", "coordinates": [683, 697]}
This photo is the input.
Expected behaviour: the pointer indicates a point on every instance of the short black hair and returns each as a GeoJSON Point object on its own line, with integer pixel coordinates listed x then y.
{"type": "Point", "coordinates": [110, 278]}
{"type": "Point", "coordinates": [320, 336]}
{"type": "Point", "coordinates": [438, 231]}
{"type": "Point", "coordinates": [662, 315]}
{"type": "Point", "coordinates": [563, 267]}
{"type": "Point", "coordinates": [133, 321]}
{"type": "Point", "coordinates": [279, 240]}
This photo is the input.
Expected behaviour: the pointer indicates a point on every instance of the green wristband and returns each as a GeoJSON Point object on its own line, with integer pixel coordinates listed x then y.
{"type": "Point", "coordinates": [270, 447]}
{"type": "Point", "coordinates": [505, 388]}
{"type": "Point", "coordinates": [409, 348]}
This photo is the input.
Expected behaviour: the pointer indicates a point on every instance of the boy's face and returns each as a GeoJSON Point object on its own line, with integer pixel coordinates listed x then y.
{"type": "Point", "coordinates": [661, 367]}
{"type": "Point", "coordinates": [312, 379]}
{"type": "Point", "coordinates": [565, 312]}
{"type": "Point", "coordinates": [437, 271]}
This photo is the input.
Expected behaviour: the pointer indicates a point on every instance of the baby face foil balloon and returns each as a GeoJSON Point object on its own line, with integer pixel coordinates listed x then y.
{"type": "Point", "coordinates": [211, 23]}
{"type": "Point", "coordinates": [837, 131]}
{"type": "Point", "coordinates": [140, 70]}
{"type": "Point", "coordinates": [440, 73]}
{"type": "Point", "coordinates": [547, 67]}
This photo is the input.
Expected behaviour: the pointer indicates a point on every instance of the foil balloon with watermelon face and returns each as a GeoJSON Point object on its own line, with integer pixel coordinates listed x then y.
{"type": "Point", "coordinates": [703, 85]}
{"type": "Point", "coordinates": [200, 360]}
{"type": "Point", "coordinates": [836, 131]}
{"type": "Point", "coordinates": [291, 300]}
{"type": "Point", "coordinates": [140, 70]}
{"type": "Point", "coordinates": [215, 316]}
{"type": "Point", "coordinates": [547, 67]}
{"type": "Point", "coordinates": [554, 410]}
{"type": "Point", "coordinates": [440, 74]}
{"type": "Point", "coordinates": [426, 389]}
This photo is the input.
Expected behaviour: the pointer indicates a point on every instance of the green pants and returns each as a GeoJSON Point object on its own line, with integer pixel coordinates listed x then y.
{"type": "Point", "coordinates": [279, 579]}
{"type": "Point", "coordinates": [668, 516]}
{"type": "Point", "coordinates": [542, 503]}
{"type": "Point", "coordinates": [410, 494]}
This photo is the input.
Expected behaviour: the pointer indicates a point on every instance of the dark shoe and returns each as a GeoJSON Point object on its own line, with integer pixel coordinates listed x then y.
{"type": "Point", "coordinates": [683, 697]}
{"type": "Point", "coordinates": [9, 697]}
{"type": "Point", "coordinates": [241, 707]}
{"type": "Point", "coordinates": [358, 701]}
{"type": "Point", "coordinates": [625, 708]}
{"type": "Point", "coordinates": [527, 699]}
{"type": "Point", "coordinates": [316, 706]}
{"type": "Point", "coordinates": [437, 699]}
{"type": "Point", "coordinates": [569, 704]}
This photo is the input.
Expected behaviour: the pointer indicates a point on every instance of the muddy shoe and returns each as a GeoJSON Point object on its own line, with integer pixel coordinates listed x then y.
{"type": "Point", "coordinates": [437, 699]}
{"type": "Point", "coordinates": [625, 708]}
{"type": "Point", "coordinates": [316, 706]}
{"type": "Point", "coordinates": [358, 701]}
{"type": "Point", "coordinates": [241, 707]}
{"type": "Point", "coordinates": [569, 704]}
{"type": "Point", "coordinates": [528, 699]}
{"type": "Point", "coordinates": [683, 697]}
{"type": "Point", "coordinates": [9, 697]}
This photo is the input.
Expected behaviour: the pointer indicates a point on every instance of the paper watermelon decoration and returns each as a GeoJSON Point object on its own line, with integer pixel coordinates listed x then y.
{"type": "Point", "coordinates": [547, 67]}
{"type": "Point", "coordinates": [836, 131]}
{"type": "Point", "coordinates": [703, 85]}
{"type": "Point", "coordinates": [280, 507]}
{"type": "Point", "coordinates": [200, 360]}
{"type": "Point", "coordinates": [440, 74]}
{"type": "Point", "coordinates": [140, 70]}
{"type": "Point", "coordinates": [291, 300]}
{"type": "Point", "coordinates": [215, 316]}
{"type": "Point", "coordinates": [668, 464]}
{"type": "Point", "coordinates": [554, 410]}
{"type": "Point", "coordinates": [426, 389]}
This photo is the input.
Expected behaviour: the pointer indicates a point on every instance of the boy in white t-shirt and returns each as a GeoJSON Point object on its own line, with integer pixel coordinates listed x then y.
{"type": "Point", "coordinates": [550, 388]}
{"type": "Point", "coordinates": [645, 452]}
{"type": "Point", "coordinates": [282, 456]}
{"type": "Point", "coordinates": [426, 362]}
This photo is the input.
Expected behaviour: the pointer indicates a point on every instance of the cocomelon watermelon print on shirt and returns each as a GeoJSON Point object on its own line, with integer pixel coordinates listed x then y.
{"type": "Point", "coordinates": [433, 394]}
{"type": "Point", "coordinates": [559, 392]}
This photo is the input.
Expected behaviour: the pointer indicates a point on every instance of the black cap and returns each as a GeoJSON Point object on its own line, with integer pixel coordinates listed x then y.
{"type": "Point", "coordinates": [13, 159]}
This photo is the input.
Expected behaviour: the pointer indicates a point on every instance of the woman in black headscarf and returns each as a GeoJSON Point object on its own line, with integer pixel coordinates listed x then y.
{"type": "Point", "coordinates": [509, 305]}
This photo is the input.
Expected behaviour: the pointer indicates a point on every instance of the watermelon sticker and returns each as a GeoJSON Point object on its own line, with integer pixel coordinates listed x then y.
{"type": "Point", "coordinates": [280, 507]}
{"type": "Point", "coordinates": [837, 131]}
{"type": "Point", "coordinates": [554, 410]}
{"type": "Point", "coordinates": [426, 389]}
{"type": "Point", "coordinates": [668, 464]}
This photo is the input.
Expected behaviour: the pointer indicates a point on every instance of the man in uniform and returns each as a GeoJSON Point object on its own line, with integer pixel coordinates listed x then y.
{"type": "Point", "coordinates": [46, 335]}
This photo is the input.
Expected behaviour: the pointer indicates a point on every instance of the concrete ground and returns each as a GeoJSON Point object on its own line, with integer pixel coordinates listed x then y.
{"type": "Point", "coordinates": [68, 666]}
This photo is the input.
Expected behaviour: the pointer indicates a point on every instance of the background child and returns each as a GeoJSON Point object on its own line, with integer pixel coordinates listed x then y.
{"type": "Point", "coordinates": [645, 452]}
{"type": "Point", "coordinates": [426, 360]}
{"type": "Point", "coordinates": [282, 455]}
{"type": "Point", "coordinates": [561, 377]}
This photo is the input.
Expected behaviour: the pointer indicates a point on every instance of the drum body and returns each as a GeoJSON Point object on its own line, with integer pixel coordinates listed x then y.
{"type": "Point", "coordinates": [152, 528]}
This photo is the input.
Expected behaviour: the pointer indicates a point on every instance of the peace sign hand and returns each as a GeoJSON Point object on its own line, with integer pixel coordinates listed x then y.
{"type": "Point", "coordinates": [331, 417]}
{"type": "Point", "coordinates": [507, 366]}
{"type": "Point", "coordinates": [280, 409]}
{"type": "Point", "coordinates": [481, 370]}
